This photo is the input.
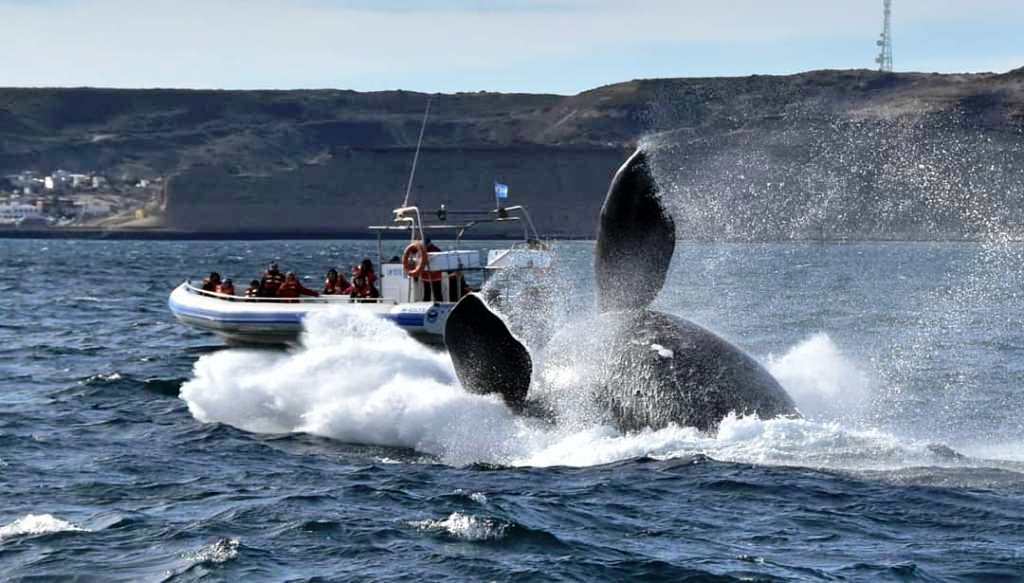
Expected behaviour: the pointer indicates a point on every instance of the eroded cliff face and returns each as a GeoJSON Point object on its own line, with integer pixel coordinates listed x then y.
{"type": "Point", "coordinates": [820, 154]}
{"type": "Point", "coordinates": [354, 188]}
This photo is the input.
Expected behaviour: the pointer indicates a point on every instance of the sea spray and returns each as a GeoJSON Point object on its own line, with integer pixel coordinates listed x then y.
{"type": "Point", "coordinates": [360, 379]}
{"type": "Point", "coordinates": [824, 383]}
{"type": "Point", "coordinates": [36, 524]}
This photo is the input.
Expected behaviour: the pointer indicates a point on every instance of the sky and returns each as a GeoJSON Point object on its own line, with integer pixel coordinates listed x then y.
{"type": "Point", "coordinates": [535, 46]}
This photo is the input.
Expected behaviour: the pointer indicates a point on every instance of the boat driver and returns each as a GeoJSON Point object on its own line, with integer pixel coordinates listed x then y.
{"type": "Point", "coordinates": [431, 279]}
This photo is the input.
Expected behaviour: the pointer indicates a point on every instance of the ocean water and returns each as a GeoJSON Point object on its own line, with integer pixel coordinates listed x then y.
{"type": "Point", "coordinates": [132, 448]}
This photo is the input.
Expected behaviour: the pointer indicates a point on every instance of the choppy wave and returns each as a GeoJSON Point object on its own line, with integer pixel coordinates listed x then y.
{"type": "Point", "coordinates": [217, 552]}
{"type": "Point", "coordinates": [36, 524]}
{"type": "Point", "coordinates": [465, 526]}
{"type": "Point", "coordinates": [164, 495]}
{"type": "Point", "coordinates": [360, 379]}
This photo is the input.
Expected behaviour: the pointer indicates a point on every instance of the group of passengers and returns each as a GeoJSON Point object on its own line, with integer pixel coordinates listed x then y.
{"type": "Point", "coordinates": [215, 284]}
{"type": "Point", "coordinates": [275, 284]}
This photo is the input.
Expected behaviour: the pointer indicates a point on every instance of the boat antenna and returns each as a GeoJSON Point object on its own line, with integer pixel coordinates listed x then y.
{"type": "Point", "coordinates": [416, 156]}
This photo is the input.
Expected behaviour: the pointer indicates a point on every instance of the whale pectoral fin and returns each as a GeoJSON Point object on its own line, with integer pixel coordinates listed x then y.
{"type": "Point", "coordinates": [635, 240]}
{"type": "Point", "coordinates": [487, 357]}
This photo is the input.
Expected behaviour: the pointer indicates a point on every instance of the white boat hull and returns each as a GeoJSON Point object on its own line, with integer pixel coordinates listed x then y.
{"type": "Point", "coordinates": [271, 321]}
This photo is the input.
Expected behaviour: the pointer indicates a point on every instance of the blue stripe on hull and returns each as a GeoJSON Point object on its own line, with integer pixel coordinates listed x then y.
{"type": "Point", "coordinates": [404, 320]}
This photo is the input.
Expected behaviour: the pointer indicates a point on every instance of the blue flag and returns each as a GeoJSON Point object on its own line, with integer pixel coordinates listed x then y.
{"type": "Point", "coordinates": [500, 191]}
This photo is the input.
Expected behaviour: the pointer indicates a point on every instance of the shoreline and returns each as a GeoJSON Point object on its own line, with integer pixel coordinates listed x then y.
{"type": "Point", "coordinates": [180, 235]}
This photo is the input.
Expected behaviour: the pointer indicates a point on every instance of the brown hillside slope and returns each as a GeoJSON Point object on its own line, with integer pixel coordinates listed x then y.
{"type": "Point", "coordinates": [844, 144]}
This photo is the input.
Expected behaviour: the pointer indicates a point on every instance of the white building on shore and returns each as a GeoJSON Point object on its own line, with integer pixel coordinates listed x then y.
{"type": "Point", "coordinates": [16, 213]}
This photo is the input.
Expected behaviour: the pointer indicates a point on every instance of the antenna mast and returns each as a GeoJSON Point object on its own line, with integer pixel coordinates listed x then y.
{"type": "Point", "coordinates": [416, 156]}
{"type": "Point", "coordinates": [884, 42]}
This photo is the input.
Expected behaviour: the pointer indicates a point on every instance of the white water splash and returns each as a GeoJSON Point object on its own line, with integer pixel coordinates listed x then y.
{"type": "Point", "coordinates": [823, 382]}
{"type": "Point", "coordinates": [359, 379]}
{"type": "Point", "coordinates": [478, 497]}
{"type": "Point", "coordinates": [33, 524]}
{"type": "Point", "coordinates": [217, 552]}
{"type": "Point", "coordinates": [465, 527]}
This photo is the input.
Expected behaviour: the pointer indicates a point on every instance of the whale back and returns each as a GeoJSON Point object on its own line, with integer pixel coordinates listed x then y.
{"type": "Point", "coordinates": [487, 357]}
{"type": "Point", "coordinates": [635, 240]}
{"type": "Point", "coordinates": [646, 369]}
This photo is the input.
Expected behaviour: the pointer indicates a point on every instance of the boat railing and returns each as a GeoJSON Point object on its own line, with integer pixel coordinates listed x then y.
{"type": "Point", "coordinates": [323, 299]}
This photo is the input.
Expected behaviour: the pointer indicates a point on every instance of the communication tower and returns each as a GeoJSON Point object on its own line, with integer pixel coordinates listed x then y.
{"type": "Point", "coordinates": [884, 42]}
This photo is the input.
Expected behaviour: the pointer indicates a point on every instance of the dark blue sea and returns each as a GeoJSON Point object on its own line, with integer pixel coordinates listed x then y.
{"type": "Point", "coordinates": [134, 449]}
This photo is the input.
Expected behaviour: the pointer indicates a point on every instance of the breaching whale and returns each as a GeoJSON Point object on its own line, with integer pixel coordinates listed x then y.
{"type": "Point", "coordinates": [644, 368]}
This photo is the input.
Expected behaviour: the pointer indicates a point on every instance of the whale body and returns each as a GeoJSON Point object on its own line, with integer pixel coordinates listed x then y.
{"type": "Point", "coordinates": [643, 368]}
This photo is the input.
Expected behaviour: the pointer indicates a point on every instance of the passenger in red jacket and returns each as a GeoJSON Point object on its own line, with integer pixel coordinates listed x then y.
{"type": "Point", "coordinates": [336, 284]}
{"type": "Point", "coordinates": [272, 279]}
{"type": "Point", "coordinates": [364, 281]}
{"type": "Point", "coordinates": [292, 288]}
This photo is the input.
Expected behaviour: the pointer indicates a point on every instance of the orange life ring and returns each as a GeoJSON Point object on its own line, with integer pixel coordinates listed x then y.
{"type": "Point", "coordinates": [414, 267]}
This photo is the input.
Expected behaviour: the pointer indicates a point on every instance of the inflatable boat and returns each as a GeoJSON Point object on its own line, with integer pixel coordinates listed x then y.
{"type": "Point", "coordinates": [240, 320]}
{"type": "Point", "coordinates": [272, 320]}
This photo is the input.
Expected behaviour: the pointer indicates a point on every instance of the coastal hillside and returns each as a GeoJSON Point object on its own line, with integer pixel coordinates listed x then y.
{"type": "Point", "coordinates": [819, 154]}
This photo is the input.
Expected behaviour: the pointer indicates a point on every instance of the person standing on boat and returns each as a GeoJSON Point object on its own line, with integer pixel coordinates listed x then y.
{"type": "Point", "coordinates": [431, 279]}
{"type": "Point", "coordinates": [293, 288]}
{"type": "Point", "coordinates": [335, 284]}
{"type": "Point", "coordinates": [271, 281]}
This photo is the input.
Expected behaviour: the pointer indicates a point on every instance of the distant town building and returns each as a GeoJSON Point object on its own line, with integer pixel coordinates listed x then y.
{"type": "Point", "coordinates": [19, 213]}
{"type": "Point", "coordinates": [93, 208]}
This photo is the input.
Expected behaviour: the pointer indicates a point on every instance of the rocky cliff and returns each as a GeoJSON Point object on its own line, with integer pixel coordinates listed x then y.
{"type": "Point", "coordinates": [820, 154]}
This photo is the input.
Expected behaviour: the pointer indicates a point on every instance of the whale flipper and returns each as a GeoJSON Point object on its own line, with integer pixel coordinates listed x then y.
{"type": "Point", "coordinates": [635, 239]}
{"type": "Point", "coordinates": [487, 357]}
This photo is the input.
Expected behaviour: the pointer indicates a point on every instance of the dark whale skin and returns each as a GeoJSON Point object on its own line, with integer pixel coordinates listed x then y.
{"type": "Point", "coordinates": [486, 356]}
{"type": "Point", "coordinates": [631, 366]}
{"type": "Point", "coordinates": [651, 369]}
